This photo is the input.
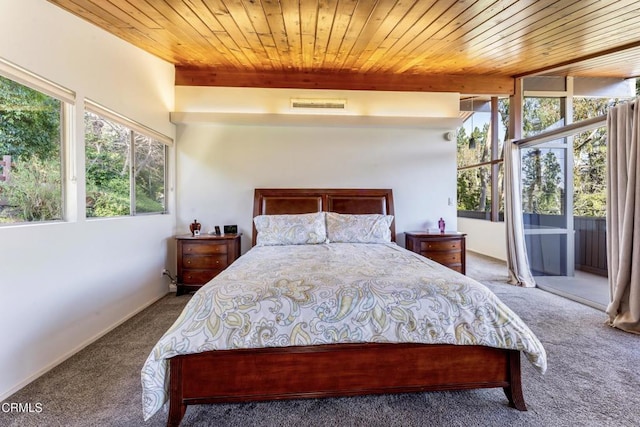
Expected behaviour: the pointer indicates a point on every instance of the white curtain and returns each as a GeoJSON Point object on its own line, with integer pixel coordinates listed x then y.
{"type": "Point", "coordinates": [623, 216]}
{"type": "Point", "coordinates": [517, 260]}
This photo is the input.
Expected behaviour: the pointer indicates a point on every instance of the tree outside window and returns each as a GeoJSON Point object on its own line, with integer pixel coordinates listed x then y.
{"type": "Point", "coordinates": [30, 133]}
{"type": "Point", "coordinates": [115, 153]}
{"type": "Point", "coordinates": [543, 186]}
{"type": "Point", "coordinates": [149, 174]}
{"type": "Point", "coordinates": [475, 180]}
{"type": "Point", "coordinates": [590, 158]}
{"type": "Point", "coordinates": [542, 183]}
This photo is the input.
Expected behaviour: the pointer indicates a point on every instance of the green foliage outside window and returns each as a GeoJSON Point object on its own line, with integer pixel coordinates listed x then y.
{"type": "Point", "coordinates": [590, 159]}
{"type": "Point", "coordinates": [474, 184]}
{"type": "Point", "coordinates": [541, 114]}
{"type": "Point", "coordinates": [33, 193]}
{"type": "Point", "coordinates": [541, 182]}
{"type": "Point", "coordinates": [29, 122]}
{"type": "Point", "coordinates": [109, 164]}
{"type": "Point", "coordinates": [30, 134]}
{"type": "Point", "coordinates": [149, 175]}
{"type": "Point", "coordinates": [542, 176]}
{"type": "Point", "coordinates": [474, 189]}
{"type": "Point", "coordinates": [107, 148]}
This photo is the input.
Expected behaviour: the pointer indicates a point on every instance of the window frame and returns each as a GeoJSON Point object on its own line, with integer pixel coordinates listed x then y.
{"type": "Point", "coordinates": [493, 213]}
{"type": "Point", "coordinates": [67, 99]}
{"type": "Point", "coordinates": [133, 127]}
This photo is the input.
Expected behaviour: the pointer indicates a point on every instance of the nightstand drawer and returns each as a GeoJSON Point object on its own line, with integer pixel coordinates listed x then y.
{"type": "Point", "coordinates": [215, 261]}
{"type": "Point", "coordinates": [198, 277]}
{"type": "Point", "coordinates": [201, 258]}
{"type": "Point", "coordinates": [448, 249]}
{"type": "Point", "coordinates": [444, 258]}
{"type": "Point", "coordinates": [204, 248]}
{"type": "Point", "coordinates": [445, 245]}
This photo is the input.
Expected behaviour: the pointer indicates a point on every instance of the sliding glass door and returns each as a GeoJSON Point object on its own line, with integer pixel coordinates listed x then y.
{"type": "Point", "coordinates": [547, 208]}
{"type": "Point", "coordinates": [547, 189]}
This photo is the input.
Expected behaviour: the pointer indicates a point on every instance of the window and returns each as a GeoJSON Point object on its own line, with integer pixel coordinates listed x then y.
{"type": "Point", "coordinates": [543, 188]}
{"type": "Point", "coordinates": [548, 189]}
{"type": "Point", "coordinates": [474, 191]}
{"type": "Point", "coordinates": [479, 162]}
{"type": "Point", "coordinates": [31, 173]}
{"type": "Point", "coordinates": [541, 114]}
{"type": "Point", "coordinates": [474, 139]}
{"type": "Point", "coordinates": [125, 168]}
{"type": "Point", "coordinates": [590, 156]}
{"type": "Point", "coordinates": [149, 175]}
{"type": "Point", "coordinates": [125, 161]}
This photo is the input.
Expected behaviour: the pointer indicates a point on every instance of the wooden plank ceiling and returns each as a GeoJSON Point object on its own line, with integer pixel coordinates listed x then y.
{"type": "Point", "coordinates": [474, 47]}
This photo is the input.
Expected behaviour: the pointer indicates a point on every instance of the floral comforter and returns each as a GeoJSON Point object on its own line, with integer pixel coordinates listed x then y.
{"type": "Point", "coordinates": [277, 296]}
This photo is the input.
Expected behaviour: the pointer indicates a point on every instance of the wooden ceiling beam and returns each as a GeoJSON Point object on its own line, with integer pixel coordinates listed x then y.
{"type": "Point", "coordinates": [467, 84]}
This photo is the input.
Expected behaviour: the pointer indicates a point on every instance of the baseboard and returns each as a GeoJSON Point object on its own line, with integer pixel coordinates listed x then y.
{"type": "Point", "coordinates": [70, 353]}
{"type": "Point", "coordinates": [488, 257]}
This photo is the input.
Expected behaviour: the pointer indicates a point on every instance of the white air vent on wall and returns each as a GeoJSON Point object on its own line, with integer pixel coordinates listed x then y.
{"type": "Point", "coordinates": [330, 104]}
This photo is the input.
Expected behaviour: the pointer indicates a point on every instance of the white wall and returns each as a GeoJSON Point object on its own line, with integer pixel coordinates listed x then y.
{"type": "Point", "coordinates": [485, 237]}
{"type": "Point", "coordinates": [65, 284]}
{"type": "Point", "coordinates": [278, 101]}
{"type": "Point", "coordinates": [219, 165]}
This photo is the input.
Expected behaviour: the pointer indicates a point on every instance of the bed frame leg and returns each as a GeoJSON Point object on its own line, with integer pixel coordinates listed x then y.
{"type": "Point", "coordinates": [177, 408]}
{"type": "Point", "coordinates": [514, 390]}
{"type": "Point", "coordinates": [176, 412]}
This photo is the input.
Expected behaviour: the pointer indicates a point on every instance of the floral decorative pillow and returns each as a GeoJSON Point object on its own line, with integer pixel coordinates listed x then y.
{"type": "Point", "coordinates": [299, 229]}
{"type": "Point", "coordinates": [349, 228]}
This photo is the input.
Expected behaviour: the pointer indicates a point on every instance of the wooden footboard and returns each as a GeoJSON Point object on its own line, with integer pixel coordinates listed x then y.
{"type": "Point", "coordinates": [338, 370]}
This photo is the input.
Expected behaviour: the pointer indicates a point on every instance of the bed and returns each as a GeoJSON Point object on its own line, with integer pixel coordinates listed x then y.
{"type": "Point", "coordinates": [388, 349]}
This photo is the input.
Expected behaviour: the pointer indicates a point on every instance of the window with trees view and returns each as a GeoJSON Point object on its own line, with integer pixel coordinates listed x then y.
{"type": "Point", "coordinates": [31, 184]}
{"type": "Point", "coordinates": [542, 167]}
{"type": "Point", "coordinates": [125, 161]}
{"type": "Point", "coordinates": [476, 158]}
{"type": "Point", "coordinates": [125, 169]}
{"type": "Point", "coordinates": [543, 181]}
{"type": "Point", "coordinates": [543, 174]}
{"type": "Point", "coordinates": [590, 158]}
{"type": "Point", "coordinates": [543, 186]}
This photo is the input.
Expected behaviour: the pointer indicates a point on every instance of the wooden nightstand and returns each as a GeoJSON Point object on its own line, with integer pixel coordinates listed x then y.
{"type": "Point", "coordinates": [446, 248]}
{"type": "Point", "coordinates": [201, 258]}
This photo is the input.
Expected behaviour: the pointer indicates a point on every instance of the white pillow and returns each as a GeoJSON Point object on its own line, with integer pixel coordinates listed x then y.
{"type": "Point", "coordinates": [299, 229]}
{"type": "Point", "coordinates": [348, 228]}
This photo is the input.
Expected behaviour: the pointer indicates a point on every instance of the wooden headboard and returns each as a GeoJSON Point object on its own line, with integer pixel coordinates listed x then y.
{"type": "Point", "coordinates": [279, 201]}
